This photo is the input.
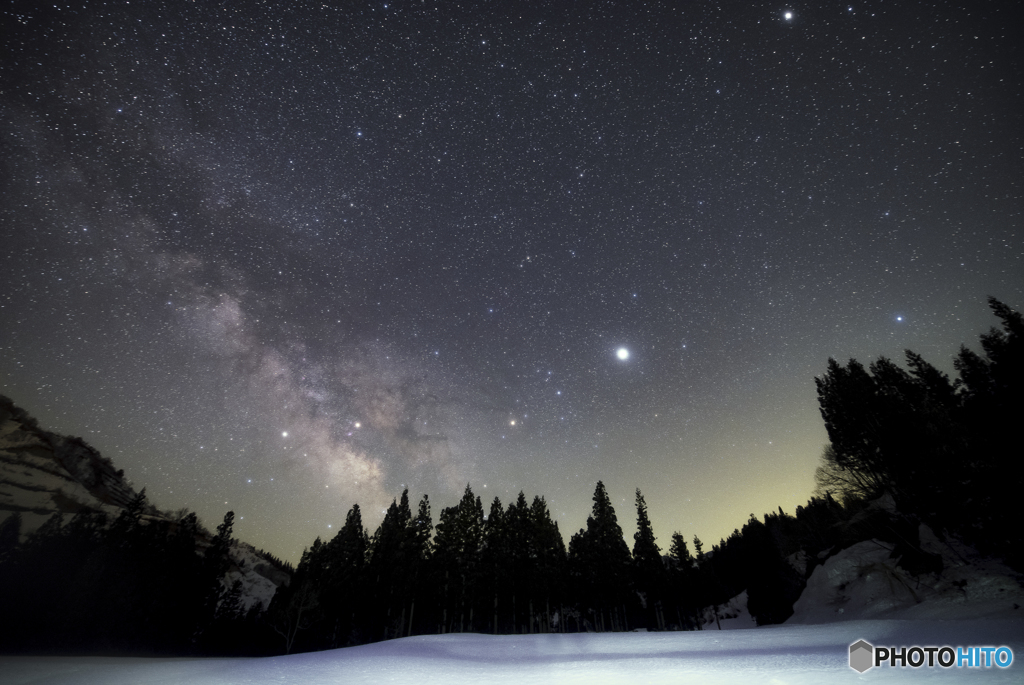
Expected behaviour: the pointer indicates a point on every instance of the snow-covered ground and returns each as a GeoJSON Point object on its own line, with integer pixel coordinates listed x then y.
{"type": "Point", "coordinates": [776, 655]}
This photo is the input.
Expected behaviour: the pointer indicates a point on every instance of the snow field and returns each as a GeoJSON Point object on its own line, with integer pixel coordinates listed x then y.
{"type": "Point", "coordinates": [774, 655]}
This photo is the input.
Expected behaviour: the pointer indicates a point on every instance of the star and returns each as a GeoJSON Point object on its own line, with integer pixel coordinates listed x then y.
{"type": "Point", "coordinates": [308, 278]}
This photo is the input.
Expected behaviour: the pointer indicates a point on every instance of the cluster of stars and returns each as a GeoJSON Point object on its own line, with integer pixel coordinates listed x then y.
{"type": "Point", "coordinates": [345, 251]}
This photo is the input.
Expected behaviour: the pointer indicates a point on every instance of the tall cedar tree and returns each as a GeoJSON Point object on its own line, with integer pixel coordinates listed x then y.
{"type": "Point", "coordinates": [549, 567]}
{"type": "Point", "coordinates": [343, 592]}
{"type": "Point", "coordinates": [601, 566]}
{"type": "Point", "coordinates": [458, 545]}
{"type": "Point", "coordinates": [683, 591]}
{"type": "Point", "coordinates": [648, 568]}
{"type": "Point", "coordinates": [495, 575]}
{"type": "Point", "coordinates": [398, 550]}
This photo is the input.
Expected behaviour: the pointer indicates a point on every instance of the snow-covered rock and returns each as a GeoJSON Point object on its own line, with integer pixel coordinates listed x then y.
{"type": "Point", "coordinates": [260, 579]}
{"type": "Point", "coordinates": [865, 581]}
{"type": "Point", "coordinates": [733, 615]}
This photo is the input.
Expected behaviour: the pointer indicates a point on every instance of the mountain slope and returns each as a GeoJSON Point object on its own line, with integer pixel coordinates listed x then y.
{"type": "Point", "coordinates": [43, 473]}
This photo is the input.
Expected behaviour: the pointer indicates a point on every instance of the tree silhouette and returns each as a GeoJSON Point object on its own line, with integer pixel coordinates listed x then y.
{"type": "Point", "coordinates": [457, 556]}
{"type": "Point", "coordinates": [601, 566]}
{"type": "Point", "coordinates": [649, 569]}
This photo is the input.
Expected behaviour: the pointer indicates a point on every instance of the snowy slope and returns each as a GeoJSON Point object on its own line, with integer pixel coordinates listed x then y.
{"type": "Point", "coordinates": [42, 473]}
{"type": "Point", "coordinates": [772, 655]}
{"type": "Point", "coordinates": [863, 581]}
{"type": "Point", "coordinates": [260, 579]}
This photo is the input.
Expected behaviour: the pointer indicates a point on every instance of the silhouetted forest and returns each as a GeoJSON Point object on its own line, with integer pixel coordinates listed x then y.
{"type": "Point", "coordinates": [941, 450]}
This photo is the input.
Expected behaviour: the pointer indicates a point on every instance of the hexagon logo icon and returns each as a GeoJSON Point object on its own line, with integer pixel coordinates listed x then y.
{"type": "Point", "coordinates": [861, 656]}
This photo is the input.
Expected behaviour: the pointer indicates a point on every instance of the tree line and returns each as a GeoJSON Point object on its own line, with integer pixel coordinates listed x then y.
{"type": "Point", "coordinates": [139, 584]}
{"type": "Point", "coordinates": [511, 572]}
{"type": "Point", "coordinates": [942, 450]}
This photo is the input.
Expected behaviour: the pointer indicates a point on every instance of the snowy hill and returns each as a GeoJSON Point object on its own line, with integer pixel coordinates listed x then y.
{"type": "Point", "coordinates": [865, 581]}
{"type": "Point", "coordinates": [42, 474]}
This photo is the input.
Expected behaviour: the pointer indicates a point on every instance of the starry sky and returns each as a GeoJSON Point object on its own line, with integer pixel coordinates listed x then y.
{"type": "Point", "coordinates": [281, 258]}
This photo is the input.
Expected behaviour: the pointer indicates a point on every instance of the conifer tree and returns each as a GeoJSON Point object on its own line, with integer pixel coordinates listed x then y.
{"type": "Point", "coordinates": [682, 581]}
{"type": "Point", "coordinates": [521, 578]}
{"type": "Point", "coordinates": [344, 588]}
{"type": "Point", "coordinates": [679, 553]}
{"type": "Point", "coordinates": [771, 583]}
{"type": "Point", "coordinates": [494, 565]}
{"type": "Point", "coordinates": [397, 546]}
{"type": "Point", "coordinates": [649, 569]}
{"type": "Point", "coordinates": [991, 387]}
{"type": "Point", "coordinates": [698, 547]}
{"type": "Point", "coordinates": [646, 553]}
{"type": "Point", "coordinates": [457, 553]}
{"type": "Point", "coordinates": [601, 564]}
{"type": "Point", "coordinates": [549, 565]}
{"type": "Point", "coordinates": [419, 557]}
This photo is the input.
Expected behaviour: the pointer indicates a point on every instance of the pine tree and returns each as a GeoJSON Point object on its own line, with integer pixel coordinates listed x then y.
{"type": "Point", "coordinates": [344, 588]}
{"type": "Point", "coordinates": [601, 565]}
{"type": "Point", "coordinates": [395, 548]}
{"type": "Point", "coordinates": [682, 582]}
{"type": "Point", "coordinates": [457, 553]}
{"type": "Point", "coordinates": [418, 558]}
{"type": "Point", "coordinates": [646, 554]}
{"type": "Point", "coordinates": [679, 553]}
{"type": "Point", "coordinates": [521, 578]}
{"type": "Point", "coordinates": [495, 565]}
{"type": "Point", "coordinates": [649, 569]}
{"type": "Point", "coordinates": [549, 567]}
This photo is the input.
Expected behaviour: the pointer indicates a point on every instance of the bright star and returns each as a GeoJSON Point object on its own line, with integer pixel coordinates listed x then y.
{"type": "Point", "coordinates": [788, 15]}
{"type": "Point", "coordinates": [622, 353]}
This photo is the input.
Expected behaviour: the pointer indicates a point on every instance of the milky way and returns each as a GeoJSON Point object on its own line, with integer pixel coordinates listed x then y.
{"type": "Point", "coordinates": [284, 259]}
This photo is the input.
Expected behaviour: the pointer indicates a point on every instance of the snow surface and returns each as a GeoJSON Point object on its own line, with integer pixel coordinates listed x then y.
{"type": "Point", "coordinates": [774, 655]}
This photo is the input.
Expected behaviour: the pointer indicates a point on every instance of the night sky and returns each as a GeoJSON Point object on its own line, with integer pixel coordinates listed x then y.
{"type": "Point", "coordinates": [283, 259]}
